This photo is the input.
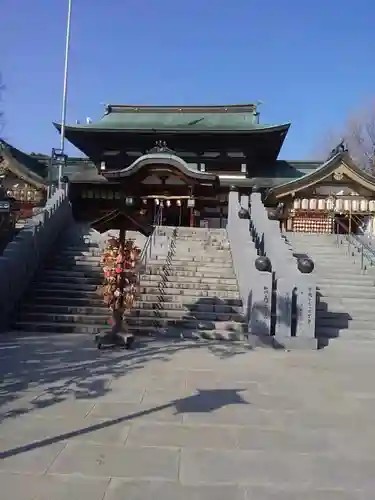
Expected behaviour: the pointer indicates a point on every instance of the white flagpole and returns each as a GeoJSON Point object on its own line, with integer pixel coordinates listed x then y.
{"type": "Point", "coordinates": [65, 89]}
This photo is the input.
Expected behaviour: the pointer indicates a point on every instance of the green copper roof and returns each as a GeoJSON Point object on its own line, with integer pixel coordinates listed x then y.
{"type": "Point", "coordinates": [236, 118]}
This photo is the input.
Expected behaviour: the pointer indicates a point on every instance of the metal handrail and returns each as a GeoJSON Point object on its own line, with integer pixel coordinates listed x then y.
{"type": "Point", "coordinates": [367, 253]}
{"type": "Point", "coordinates": [147, 247]}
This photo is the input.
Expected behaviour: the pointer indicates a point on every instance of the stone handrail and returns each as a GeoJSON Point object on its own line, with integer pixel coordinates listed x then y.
{"type": "Point", "coordinates": [27, 251]}
{"type": "Point", "coordinates": [295, 291]}
{"type": "Point", "coordinates": [255, 286]}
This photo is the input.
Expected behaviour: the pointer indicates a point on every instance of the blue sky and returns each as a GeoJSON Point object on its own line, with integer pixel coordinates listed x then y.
{"type": "Point", "coordinates": [310, 62]}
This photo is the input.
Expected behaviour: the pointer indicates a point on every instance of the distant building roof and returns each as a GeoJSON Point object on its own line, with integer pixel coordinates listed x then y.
{"type": "Point", "coordinates": [23, 165]}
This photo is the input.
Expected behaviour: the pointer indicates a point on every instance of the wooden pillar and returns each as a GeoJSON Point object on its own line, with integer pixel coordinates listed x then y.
{"type": "Point", "coordinates": [192, 207]}
{"type": "Point", "coordinates": [192, 217]}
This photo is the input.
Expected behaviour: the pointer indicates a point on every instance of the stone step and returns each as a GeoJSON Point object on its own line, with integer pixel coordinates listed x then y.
{"type": "Point", "coordinates": [203, 255]}
{"type": "Point", "coordinates": [199, 261]}
{"type": "Point", "coordinates": [168, 301]}
{"type": "Point", "coordinates": [189, 292]}
{"type": "Point", "coordinates": [345, 321]}
{"type": "Point", "coordinates": [66, 286]}
{"type": "Point", "coordinates": [74, 252]}
{"type": "Point", "coordinates": [345, 333]}
{"type": "Point", "coordinates": [62, 263]}
{"type": "Point", "coordinates": [205, 305]}
{"type": "Point", "coordinates": [56, 328]}
{"type": "Point", "coordinates": [349, 271]}
{"type": "Point", "coordinates": [60, 299]}
{"type": "Point", "coordinates": [77, 272]}
{"type": "Point", "coordinates": [228, 298]}
{"type": "Point", "coordinates": [77, 258]}
{"type": "Point", "coordinates": [146, 316]}
{"type": "Point", "coordinates": [191, 323]}
{"type": "Point", "coordinates": [201, 265]}
{"type": "Point", "coordinates": [336, 262]}
{"type": "Point", "coordinates": [201, 312]}
{"type": "Point", "coordinates": [183, 315]}
{"type": "Point", "coordinates": [145, 286]}
{"type": "Point", "coordinates": [55, 317]}
{"type": "Point", "coordinates": [331, 308]}
{"type": "Point", "coordinates": [361, 280]}
{"type": "Point", "coordinates": [366, 302]}
{"type": "Point", "coordinates": [178, 285]}
{"type": "Point", "coordinates": [65, 308]}
{"type": "Point", "coordinates": [203, 272]}
{"type": "Point", "coordinates": [149, 294]}
{"type": "Point", "coordinates": [71, 278]}
{"type": "Point", "coordinates": [53, 272]}
{"type": "Point", "coordinates": [151, 330]}
{"type": "Point", "coordinates": [77, 247]}
{"type": "Point", "coordinates": [345, 289]}
{"type": "Point", "coordinates": [345, 271]}
{"type": "Point", "coordinates": [346, 292]}
{"type": "Point", "coordinates": [191, 279]}
{"type": "Point", "coordinates": [145, 280]}
{"type": "Point", "coordinates": [188, 243]}
{"type": "Point", "coordinates": [42, 293]}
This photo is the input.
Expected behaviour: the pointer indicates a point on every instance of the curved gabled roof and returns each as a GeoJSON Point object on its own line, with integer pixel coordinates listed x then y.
{"type": "Point", "coordinates": [339, 160]}
{"type": "Point", "coordinates": [165, 159]}
{"type": "Point", "coordinates": [23, 165]}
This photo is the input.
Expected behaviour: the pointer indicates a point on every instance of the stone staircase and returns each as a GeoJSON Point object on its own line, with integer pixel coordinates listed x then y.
{"type": "Point", "coordinates": [346, 295]}
{"type": "Point", "coordinates": [192, 293]}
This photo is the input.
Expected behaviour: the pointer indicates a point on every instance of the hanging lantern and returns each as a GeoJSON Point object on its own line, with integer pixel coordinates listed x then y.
{"type": "Point", "coordinates": [168, 203]}
{"type": "Point", "coordinates": [321, 204]}
{"type": "Point", "coordinates": [297, 204]}
{"type": "Point", "coordinates": [157, 202]}
{"type": "Point", "coordinates": [313, 204]}
{"type": "Point", "coordinates": [363, 205]}
{"type": "Point", "coordinates": [355, 205]}
{"type": "Point", "coordinates": [305, 204]}
{"type": "Point", "coordinates": [178, 203]}
{"type": "Point", "coordinates": [339, 205]}
{"type": "Point", "coordinates": [330, 203]}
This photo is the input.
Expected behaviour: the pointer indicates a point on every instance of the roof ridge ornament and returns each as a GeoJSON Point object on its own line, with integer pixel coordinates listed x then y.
{"type": "Point", "coordinates": [339, 149]}
{"type": "Point", "coordinates": [160, 147]}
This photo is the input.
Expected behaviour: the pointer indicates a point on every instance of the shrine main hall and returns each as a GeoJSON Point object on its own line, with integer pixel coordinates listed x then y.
{"type": "Point", "coordinates": [186, 159]}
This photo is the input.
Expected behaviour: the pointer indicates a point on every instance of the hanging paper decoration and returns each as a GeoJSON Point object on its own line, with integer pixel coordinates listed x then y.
{"type": "Point", "coordinates": [120, 288]}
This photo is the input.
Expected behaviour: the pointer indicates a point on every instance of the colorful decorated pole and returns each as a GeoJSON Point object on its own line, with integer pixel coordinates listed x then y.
{"type": "Point", "coordinates": [120, 284]}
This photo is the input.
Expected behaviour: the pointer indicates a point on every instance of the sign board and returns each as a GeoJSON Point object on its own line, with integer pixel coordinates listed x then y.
{"type": "Point", "coordinates": [4, 206]}
{"type": "Point", "coordinates": [260, 304]}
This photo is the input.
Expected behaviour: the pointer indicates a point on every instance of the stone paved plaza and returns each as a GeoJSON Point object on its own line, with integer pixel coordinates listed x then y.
{"type": "Point", "coordinates": [185, 421]}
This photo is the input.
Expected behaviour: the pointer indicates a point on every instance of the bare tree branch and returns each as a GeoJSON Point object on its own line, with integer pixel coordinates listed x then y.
{"type": "Point", "coordinates": [359, 137]}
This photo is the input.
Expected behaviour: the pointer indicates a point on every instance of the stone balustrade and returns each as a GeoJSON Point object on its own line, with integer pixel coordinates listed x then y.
{"type": "Point", "coordinates": [26, 252]}
{"type": "Point", "coordinates": [255, 286]}
{"type": "Point", "coordinates": [295, 291]}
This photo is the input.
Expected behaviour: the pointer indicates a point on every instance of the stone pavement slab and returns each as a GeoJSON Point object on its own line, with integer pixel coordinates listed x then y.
{"type": "Point", "coordinates": [185, 420]}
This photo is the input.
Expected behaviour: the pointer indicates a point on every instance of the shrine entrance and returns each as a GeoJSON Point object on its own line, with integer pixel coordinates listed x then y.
{"type": "Point", "coordinates": [129, 198]}
{"type": "Point", "coordinates": [173, 210]}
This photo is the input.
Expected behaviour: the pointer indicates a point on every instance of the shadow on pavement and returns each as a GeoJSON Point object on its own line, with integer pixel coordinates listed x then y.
{"type": "Point", "coordinates": [204, 401]}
